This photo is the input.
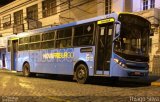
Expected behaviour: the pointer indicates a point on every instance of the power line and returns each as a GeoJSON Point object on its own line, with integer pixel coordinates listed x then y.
{"type": "Point", "coordinates": [76, 5]}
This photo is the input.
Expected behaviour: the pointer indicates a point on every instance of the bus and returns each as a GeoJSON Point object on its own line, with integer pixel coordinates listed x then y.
{"type": "Point", "coordinates": [112, 45]}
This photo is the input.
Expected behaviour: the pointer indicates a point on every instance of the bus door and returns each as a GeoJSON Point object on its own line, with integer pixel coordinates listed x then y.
{"type": "Point", "coordinates": [14, 50]}
{"type": "Point", "coordinates": [3, 60]}
{"type": "Point", "coordinates": [104, 39]}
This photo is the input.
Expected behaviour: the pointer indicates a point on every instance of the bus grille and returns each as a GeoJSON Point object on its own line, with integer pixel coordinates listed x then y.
{"type": "Point", "coordinates": [136, 67]}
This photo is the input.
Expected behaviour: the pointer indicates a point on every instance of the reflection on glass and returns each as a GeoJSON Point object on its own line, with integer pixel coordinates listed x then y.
{"type": "Point", "coordinates": [134, 36]}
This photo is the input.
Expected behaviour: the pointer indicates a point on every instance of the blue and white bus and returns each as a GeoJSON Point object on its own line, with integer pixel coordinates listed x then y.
{"type": "Point", "coordinates": [113, 45]}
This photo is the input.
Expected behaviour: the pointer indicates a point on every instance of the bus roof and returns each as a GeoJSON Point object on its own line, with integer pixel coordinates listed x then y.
{"type": "Point", "coordinates": [112, 15]}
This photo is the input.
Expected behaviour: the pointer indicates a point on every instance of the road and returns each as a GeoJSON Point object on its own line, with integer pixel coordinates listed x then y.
{"type": "Point", "coordinates": [16, 88]}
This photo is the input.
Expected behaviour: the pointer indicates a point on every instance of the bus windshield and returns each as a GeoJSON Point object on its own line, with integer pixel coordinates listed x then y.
{"type": "Point", "coordinates": [134, 36]}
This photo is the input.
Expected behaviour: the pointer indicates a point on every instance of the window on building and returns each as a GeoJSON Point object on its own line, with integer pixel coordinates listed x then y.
{"type": "Point", "coordinates": [49, 8]}
{"type": "Point", "coordinates": [6, 21]}
{"type": "Point", "coordinates": [152, 5]}
{"type": "Point", "coordinates": [145, 4]}
{"type": "Point", "coordinates": [108, 6]}
{"type": "Point", "coordinates": [32, 12]}
{"type": "Point", "coordinates": [18, 17]}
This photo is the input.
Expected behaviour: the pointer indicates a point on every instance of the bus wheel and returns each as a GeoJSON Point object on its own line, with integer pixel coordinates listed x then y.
{"type": "Point", "coordinates": [81, 74]}
{"type": "Point", "coordinates": [26, 70]}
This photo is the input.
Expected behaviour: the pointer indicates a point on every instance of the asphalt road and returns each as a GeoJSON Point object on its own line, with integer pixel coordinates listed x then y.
{"type": "Point", "coordinates": [16, 88]}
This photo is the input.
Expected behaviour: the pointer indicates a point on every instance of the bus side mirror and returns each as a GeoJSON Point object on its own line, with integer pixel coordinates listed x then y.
{"type": "Point", "coordinates": [118, 26]}
{"type": "Point", "coordinates": [117, 30]}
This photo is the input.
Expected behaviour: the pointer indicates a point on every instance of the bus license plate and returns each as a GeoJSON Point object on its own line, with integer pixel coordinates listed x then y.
{"type": "Point", "coordinates": [137, 73]}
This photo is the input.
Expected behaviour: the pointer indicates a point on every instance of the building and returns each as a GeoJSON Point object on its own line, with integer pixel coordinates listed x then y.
{"type": "Point", "coordinates": [23, 15]}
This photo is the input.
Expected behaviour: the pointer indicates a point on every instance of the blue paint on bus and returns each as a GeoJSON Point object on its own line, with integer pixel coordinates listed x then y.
{"type": "Point", "coordinates": [56, 61]}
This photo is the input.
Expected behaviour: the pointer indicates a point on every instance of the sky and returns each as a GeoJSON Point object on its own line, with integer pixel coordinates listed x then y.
{"type": "Point", "coordinates": [4, 2]}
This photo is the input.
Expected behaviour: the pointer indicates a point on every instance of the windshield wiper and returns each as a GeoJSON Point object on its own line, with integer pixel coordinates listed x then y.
{"type": "Point", "coordinates": [101, 43]}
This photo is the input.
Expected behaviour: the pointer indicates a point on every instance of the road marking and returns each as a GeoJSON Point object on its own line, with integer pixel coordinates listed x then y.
{"type": "Point", "coordinates": [25, 84]}
{"type": "Point", "coordinates": [13, 71]}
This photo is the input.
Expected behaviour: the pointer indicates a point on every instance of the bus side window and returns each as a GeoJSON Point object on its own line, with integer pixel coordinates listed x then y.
{"type": "Point", "coordinates": [26, 39]}
{"type": "Point", "coordinates": [63, 43]}
{"type": "Point", "coordinates": [48, 40]}
{"type": "Point", "coordinates": [35, 38]}
{"type": "Point", "coordinates": [21, 41]}
{"type": "Point", "coordinates": [63, 39]}
{"type": "Point", "coordinates": [34, 46]}
{"type": "Point", "coordinates": [83, 35]}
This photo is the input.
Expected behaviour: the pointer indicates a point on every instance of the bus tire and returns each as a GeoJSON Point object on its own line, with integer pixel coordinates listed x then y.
{"type": "Point", "coordinates": [81, 73]}
{"type": "Point", "coordinates": [26, 70]}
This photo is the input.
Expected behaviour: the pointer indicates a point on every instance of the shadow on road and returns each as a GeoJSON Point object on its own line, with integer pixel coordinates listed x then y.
{"type": "Point", "coordinates": [101, 81]}
{"type": "Point", "coordinates": [122, 82]}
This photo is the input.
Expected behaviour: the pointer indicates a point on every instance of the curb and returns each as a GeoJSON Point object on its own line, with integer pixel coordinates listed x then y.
{"type": "Point", "coordinates": [155, 84]}
{"type": "Point", "coordinates": [13, 71]}
{"type": "Point", "coordinates": [6, 70]}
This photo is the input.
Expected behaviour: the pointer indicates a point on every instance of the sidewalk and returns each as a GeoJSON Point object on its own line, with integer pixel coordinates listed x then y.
{"type": "Point", "coordinates": [155, 83]}
{"type": "Point", "coordinates": [3, 69]}
{"type": "Point", "coordinates": [6, 70]}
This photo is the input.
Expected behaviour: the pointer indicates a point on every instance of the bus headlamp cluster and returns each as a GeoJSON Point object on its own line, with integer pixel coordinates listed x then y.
{"type": "Point", "coordinates": [120, 63]}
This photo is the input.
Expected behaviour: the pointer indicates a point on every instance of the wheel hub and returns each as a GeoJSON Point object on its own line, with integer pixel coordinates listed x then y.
{"type": "Point", "coordinates": [81, 74]}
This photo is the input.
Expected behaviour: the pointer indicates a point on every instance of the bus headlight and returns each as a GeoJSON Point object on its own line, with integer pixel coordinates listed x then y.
{"type": "Point", "coordinates": [123, 65]}
{"type": "Point", "coordinates": [120, 63]}
{"type": "Point", "coordinates": [116, 60]}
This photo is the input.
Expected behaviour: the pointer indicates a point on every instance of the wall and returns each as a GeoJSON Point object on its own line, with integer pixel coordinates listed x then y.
{"type": "Point", "coordinates": [138, 5]}
{"type": "Point", "coordinates": [118, 6]}
{"type": "Point", "coordinates": [77, 11]}
{"type": "Point", "coordinates": [128, 5]}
